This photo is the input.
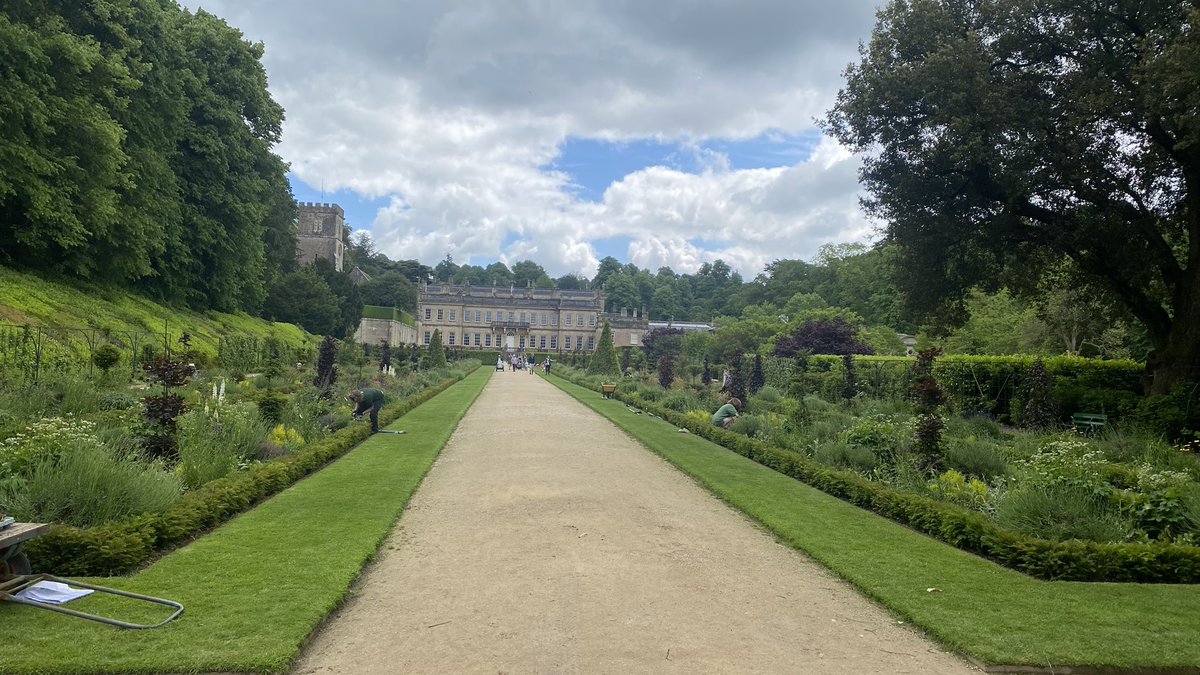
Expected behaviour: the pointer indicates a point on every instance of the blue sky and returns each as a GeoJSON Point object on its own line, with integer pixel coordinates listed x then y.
{"type": "Point", "coordinates": [660, 133]}
{"type": "Point", "coordinates": [595, 164]}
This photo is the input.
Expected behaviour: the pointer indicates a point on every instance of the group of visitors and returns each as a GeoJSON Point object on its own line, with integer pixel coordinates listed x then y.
{"type": "Point", "coordinates": [518, 362]}
{"type": "Point", "coordinates": [371, 399]}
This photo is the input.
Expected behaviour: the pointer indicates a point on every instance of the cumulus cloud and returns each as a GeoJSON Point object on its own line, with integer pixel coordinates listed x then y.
{"type": "Point", "coordinates": [452, 112]}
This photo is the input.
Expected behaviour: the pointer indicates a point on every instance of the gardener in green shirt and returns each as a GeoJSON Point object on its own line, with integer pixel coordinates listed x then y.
{"type": "Point", "coordinates": [727, 413]}
{"type": "Point", "coordinates": [368, 398]}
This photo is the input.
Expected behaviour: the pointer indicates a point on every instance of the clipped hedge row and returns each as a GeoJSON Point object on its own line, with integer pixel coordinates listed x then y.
{"type": "Point", "coordinates": [957, 526]}
{"type": "Point", "coordinates": [991, 384]}
{"type": "Point", "coordinates": [121, 547]}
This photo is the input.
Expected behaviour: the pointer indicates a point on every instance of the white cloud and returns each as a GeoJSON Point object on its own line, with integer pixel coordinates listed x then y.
{"type": "Point", "coordinates": [452, 111]}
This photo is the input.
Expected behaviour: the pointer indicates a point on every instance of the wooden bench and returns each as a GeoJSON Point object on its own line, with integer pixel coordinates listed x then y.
{"type": "Point", "coordinates": [607, 390]}
{"type": "Point", "coordinates": [1089, 421]}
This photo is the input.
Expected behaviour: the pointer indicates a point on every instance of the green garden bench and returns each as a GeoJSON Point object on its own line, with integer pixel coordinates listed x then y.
{"type": "Point", "coordinates": [1089, 421]}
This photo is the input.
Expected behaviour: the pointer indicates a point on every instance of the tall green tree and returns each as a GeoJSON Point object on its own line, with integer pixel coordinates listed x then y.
{"type": "Point", "coordinates": [390, 289]}
{"type": "Point", "coordinates": [571, 282]}
{"type": "Point", "coordinates": [61, 142]}
{"type": "Point", "coordinates": [445, 270]}
{"type": "Point", "coordinates": [225, 166]}
{"type": "Point", "coordinates": [621, 290]}
{"type": "Point", "coordinates": [527, 271]}
{"type": "Point", "coordinates": [303, 298]}
{"type": "Point", "coordinates": [349, 296]}
{"type": "Point", "coordinates": [608, 267]}
{"type": "Point", "coordinates": [498, 274]}
{"type": "Point", "coordinates": [1003, 134]}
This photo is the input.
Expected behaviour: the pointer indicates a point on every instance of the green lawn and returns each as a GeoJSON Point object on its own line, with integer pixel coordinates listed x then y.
{"type": "Point", "coordinates": [980, 609]}
{"type": "Point", "coordinates": [255, 588]}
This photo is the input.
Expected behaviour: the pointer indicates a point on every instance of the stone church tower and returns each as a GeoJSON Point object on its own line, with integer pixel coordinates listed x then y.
{"type": "Point", "coordinates": [319, 233]}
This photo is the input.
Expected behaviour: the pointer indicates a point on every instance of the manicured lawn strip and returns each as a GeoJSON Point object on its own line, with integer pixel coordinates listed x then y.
{"type": "Point", "coordinates": [987, 612]}
{"type": "Point", "coordinates": [255, 588]}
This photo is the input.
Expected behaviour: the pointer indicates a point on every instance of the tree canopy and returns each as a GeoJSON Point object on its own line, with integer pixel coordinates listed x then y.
{"type": "Point", "coordinates": [1004, 135]}
{"type": "Point", "coordinates": [137, 139]}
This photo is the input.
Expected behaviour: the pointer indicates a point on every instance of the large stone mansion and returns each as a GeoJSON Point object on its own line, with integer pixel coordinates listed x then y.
{"type": "Point", "coordinates": [478, 317]}
{"type": "Point", "coordinates": [521, 319]}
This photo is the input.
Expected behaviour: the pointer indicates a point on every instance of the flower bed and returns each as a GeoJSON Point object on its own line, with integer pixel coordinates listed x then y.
{"type": "Point", "coordinates": [120, 547]}
{"type": "Point", "coordinates": [954, 523]}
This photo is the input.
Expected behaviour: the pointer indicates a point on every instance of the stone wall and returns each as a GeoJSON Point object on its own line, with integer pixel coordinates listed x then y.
{"type": "Point", "coordinates": [311, 248]}
{"type": "Point", "coordinates": [373, 331]}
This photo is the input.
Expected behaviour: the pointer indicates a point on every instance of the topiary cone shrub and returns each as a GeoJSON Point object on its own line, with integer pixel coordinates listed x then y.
{"type": "Point", "coordinates": [604, 359]}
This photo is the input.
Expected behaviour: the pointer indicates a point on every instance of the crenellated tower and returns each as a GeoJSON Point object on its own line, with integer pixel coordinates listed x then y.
{"type": "Point", "coordinates": [319, 233]}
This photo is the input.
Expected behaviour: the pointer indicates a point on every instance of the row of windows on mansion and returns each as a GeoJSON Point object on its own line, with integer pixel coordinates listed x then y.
{"type": "Point", "coordinates": [527, 319]}
{"type": "Point", "coordinates": [538, 342]}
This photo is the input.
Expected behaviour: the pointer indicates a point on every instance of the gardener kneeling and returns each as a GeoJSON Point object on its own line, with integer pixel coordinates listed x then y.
{"type": "Point", "coordinates": [727, 413]}
{"type": "Point", "coordinates": [368, 398]}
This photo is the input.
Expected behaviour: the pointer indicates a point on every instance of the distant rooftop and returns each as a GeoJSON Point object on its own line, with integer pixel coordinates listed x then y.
{"type": "Point", "coordinates": [686, 326]}
{"type": "Point", "coordinates": [487, 290]}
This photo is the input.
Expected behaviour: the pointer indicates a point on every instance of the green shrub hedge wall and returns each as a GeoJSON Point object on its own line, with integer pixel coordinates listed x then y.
{"type": "Point", "coordinates": [122, 547]}
{"type": "Point", "coordinates": [955, 525]}
{"type": "Point", "coordinates": [990, 385]}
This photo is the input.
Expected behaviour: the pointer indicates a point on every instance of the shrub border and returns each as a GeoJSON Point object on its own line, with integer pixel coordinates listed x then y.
{"type": "Point", "coordinates": [119, 548]}
{"type": "Point", "coordinates": [955, 525]}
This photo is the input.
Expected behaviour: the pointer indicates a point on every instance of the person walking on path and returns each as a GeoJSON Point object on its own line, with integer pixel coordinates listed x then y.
{"type": "Point", "coordinates": [368, 399]}
{"type": "Point", "coordinates": [726, 414]}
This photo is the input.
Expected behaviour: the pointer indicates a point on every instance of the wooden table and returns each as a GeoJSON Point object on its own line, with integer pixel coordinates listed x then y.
{"type": "Point", "coordinates": [13, 561]}
{"type": "Point", "coordinates": [15, 577]}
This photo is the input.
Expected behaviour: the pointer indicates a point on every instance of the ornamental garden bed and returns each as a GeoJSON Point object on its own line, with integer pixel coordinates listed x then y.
{"type": "Point", "coordinates": [125, 470]}
{"type": "Point", "coordinates": [1120, 505]}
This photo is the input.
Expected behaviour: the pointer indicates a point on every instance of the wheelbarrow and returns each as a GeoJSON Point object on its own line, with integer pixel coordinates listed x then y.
{"type": "Point", "coordinates": [15, 577]}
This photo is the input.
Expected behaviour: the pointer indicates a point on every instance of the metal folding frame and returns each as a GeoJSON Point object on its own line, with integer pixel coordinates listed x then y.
{"type": "Point", "coordinates": [10, 587]}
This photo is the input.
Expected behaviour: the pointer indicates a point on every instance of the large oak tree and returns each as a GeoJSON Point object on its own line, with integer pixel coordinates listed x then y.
{"type": "Point", "coordinates": [1001, 133]}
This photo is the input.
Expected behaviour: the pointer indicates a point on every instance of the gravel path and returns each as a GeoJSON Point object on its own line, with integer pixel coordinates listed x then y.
{"type": "Point", "coordinates": [545, 540]}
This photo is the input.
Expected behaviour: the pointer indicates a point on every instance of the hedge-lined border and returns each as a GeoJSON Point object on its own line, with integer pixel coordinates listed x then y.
{"type": "Point", "coordinates": [955, 525]}
{"type": "Point", "coordinates": [119, 548]}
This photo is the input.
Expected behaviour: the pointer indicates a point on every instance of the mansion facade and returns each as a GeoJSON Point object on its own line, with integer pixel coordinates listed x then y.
{"type": "Point", "coordinates": [521, 319]}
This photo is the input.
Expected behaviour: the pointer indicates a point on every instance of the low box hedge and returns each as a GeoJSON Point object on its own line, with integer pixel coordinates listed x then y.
{"type": "Point", "coordinates": [121, 547]}
{"type": "Point", "coordinates": [955, 525]}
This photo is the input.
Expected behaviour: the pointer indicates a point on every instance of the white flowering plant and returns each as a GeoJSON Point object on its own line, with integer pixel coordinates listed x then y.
{"type": "Point", "coordinates": [45, 440]}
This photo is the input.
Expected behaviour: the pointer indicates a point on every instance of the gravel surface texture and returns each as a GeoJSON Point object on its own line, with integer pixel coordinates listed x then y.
{"type": "Point", "coordinates": [545, 540]}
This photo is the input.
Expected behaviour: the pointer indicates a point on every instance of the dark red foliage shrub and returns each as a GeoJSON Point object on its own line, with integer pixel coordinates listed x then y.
{"type": "Point", "coordinates": [822, 336]}
{"type": "Point", "coordinates": [666, 370]}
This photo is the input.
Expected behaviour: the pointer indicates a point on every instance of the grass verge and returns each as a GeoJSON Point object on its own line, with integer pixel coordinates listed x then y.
{"type": "Point", "coordinates": [31, 299]}
{"type": "Point", "coordinates": [979, 609]}
{"type": "Point", "coordinates": [255, 588]}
